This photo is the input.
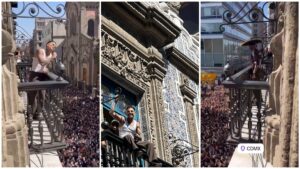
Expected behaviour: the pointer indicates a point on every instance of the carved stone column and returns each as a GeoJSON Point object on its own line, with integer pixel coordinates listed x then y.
{"type": "Point", "coordinates": [188, 97]}
{"type": "Point", "coordinates": [294, 149]}
{"type": "Point", "coordinates": [287, 81]}
{"type": "Point", "coordinates": [157, 73]}
{"type": "Point", "coordinates": [271, 137]}
{"type": "Point", "coordinates": [14, 133]}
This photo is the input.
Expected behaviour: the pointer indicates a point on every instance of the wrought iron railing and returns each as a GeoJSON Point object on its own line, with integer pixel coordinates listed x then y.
{"type": "Point", "coordinates": [23, 69]}
{"type": "Point", "coordinates": [241, 96]}
{"type": "Point", "coordinates": [116, 153]}
{"type": "Point", "coordinates": [45, 125]}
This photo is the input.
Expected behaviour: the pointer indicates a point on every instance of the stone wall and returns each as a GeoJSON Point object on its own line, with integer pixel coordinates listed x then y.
{"type": "Point", "coordinates": [137, 58]}
{"type": "Point", "coordinates": [79, 48]}
{"type": "Point", "coordinates": [15, 151]}
{"type": "Point", "coordinates": [281, 134]}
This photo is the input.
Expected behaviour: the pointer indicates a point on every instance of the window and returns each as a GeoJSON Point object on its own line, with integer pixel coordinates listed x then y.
{"type": "Point", "coordinates": [217, 45]}
{"type": "Point", "coordinates": [90, 30]}
{"type": "Point", "coordinates": [208, 46]}
{"type": "Point", "coordinates": [207, 11]}
{"type": "Point", "coordinates": [212, 12]}
{"type": "Point", "coordinates": [108, 89]}
{"type": "Point", "coordinates": [210, 27]}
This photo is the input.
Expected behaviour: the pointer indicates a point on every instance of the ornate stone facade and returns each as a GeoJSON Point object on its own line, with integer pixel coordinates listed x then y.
{"type": "Point", "coordinates": [80, 48]}
{"type": "Point", "coordinates": [281, 134]}
{"type": "Point", "coordinates": [15, 151]}
{"type": "Point", "coordinates": [136, 55]}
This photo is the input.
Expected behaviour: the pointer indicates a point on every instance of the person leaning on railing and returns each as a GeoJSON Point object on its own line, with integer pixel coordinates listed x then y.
{"type": "Point", "coordinates": [40, 61]}
{"type": "Point", "coordinates": [256, 71]}
{"type": "Point", "coordinates": [130, 131]}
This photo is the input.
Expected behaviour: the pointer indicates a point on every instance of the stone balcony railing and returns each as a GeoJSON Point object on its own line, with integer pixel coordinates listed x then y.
{"type": "Point", "coordinates": [116, 153]}
{"type": "Point", "coordinates": [45, 126]}
{"type": "Point", "coordinates": [241, 96]}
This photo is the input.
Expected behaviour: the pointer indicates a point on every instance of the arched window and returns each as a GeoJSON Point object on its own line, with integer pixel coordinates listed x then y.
{"type": "Point", "coordinates": [90, 30]}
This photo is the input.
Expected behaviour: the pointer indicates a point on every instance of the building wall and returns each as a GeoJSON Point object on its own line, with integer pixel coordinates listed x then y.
{"type": "Point", "coordinates": [55, 31]}
{"type": "Point", "coordinates": [164, 107]}
{"type": "Point", "coordinates": [15, 151]}
{"type": "Point", "coordinates": [218, 47]}
{"type": "Point", "coordinates": [281, 137]}
{"type": "Point", "coordinates": [79, 48]}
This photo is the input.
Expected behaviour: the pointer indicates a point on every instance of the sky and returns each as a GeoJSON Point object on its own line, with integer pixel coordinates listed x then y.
{"type": "Point", "coordinates": [28, 23]}
{"type": "Point", "coordinates": [266, 8]}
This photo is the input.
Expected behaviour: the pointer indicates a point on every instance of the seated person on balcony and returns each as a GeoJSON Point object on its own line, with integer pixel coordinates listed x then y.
{"type": "Point", "coordinates": [130, 131]}
{"type": "Point", "coordinates": [40, 61]}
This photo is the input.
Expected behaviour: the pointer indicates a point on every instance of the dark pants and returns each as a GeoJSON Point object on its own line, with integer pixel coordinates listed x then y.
{"type": "Point", "coordinates": [258, 98]}
{"type": "Point", "coordinates": [142, 144]}
{"type": "Point", "coordinates": [32, 95]}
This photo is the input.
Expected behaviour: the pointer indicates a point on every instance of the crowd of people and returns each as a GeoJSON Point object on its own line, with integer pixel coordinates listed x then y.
{"type": "Point", "coordinates": [81, 129]}
{"type": "Point", "coordinates": [215, 152]}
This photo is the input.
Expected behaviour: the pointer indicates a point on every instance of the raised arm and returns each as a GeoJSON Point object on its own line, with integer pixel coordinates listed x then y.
{"type": "Point", "coordinates": [138, 128]}
{"type": "Point", "coordinates": [114, 114]}
{"type": "Point", "coordinates": [138, 134]}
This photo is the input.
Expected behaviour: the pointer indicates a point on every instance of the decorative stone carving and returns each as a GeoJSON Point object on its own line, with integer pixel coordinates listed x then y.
{"type": "Point", "coordinates": [271, 137]}
{"type": "Point", "coordinates": [175, 6]}
{"type": "Point", "coordinates": [274, 100]}
{"type": "Point", "coordinates": [8, 47]}
{"type": "Point", "coordinates": [14, 131]}
{"type": "Point", "coordinates": [288, 77]}
{"type": "Point", "coordinates": [188, 96]}
{"type": "Point", "coordinates": [122, 57]}
{"type": "Point", "coordinates": [277, 48]}
{"type": "Point", "coordinates": [283, 135]}
{"type": "Point", "coordinates": [294, 143]}
{"type": "Point", "coordinates": [147, 75]}
{"type": "Point", "coordinates": [15, 128]}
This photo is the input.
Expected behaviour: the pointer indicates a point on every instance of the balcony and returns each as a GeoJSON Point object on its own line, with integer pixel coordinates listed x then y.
{"type": "Point", "coordinates": [45, 127]}
{"type": "Point", "coordinates": [116, 153]}
{"type": "Point", "coordinates": [246, 119]}
{"type": "Point", "coordinates": [23, 70]}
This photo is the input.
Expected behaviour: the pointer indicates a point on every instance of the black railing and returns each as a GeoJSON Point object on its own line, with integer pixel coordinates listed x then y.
{"type": "Point", "coordinates": [45, 125]}
{"type": "Point", "coordinates": [116, 153]}
{"type": "Point", "coordinates": [23, 70]}
{"type": "Point", "coordinates": [242, 93]}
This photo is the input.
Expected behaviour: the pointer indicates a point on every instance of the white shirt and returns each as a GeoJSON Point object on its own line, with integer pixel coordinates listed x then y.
{"type": "Point", "coordinates": [126, 129]}
{"type": "Point", "coordinates": [37, 66]}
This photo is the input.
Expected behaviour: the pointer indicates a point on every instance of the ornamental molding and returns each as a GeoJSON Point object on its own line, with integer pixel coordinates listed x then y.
{"type": "Point", "coordinates": [183, 63]}
{"type": "Point", "coordinates": [123, 60]}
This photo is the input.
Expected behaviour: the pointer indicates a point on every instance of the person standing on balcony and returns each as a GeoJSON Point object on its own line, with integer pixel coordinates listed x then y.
{"type": "Point", "coordinates": [130, 131]}
{"type": "Point", "coordinates": [40, 61]}
{"type": "Point", "coordinates": [256, 71]}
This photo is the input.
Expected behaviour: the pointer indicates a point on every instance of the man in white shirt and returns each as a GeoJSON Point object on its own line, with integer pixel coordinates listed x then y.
{"type": "Point", "coordinates": [130, 131]}
{"type": "Point", "coordinates": [40, 61]}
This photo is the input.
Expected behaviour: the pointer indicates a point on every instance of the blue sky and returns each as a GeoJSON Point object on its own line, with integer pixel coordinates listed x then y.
{"type": "Point", "coordinates": [28, 23]}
